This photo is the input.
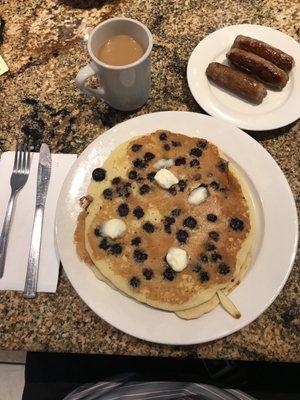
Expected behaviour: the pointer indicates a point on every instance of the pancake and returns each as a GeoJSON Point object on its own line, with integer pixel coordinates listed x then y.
{"type": "Point", "coordinates": [200, 163]}
{"type": "Point", "coordinates": [205, 307]}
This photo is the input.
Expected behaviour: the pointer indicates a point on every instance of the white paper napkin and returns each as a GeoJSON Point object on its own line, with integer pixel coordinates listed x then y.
{"type": "Point", "coordinates": [20, 233]}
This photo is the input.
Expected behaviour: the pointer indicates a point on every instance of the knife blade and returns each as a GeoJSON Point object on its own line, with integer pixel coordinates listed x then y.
{"type": "Point", "coordinates": [43, 178]}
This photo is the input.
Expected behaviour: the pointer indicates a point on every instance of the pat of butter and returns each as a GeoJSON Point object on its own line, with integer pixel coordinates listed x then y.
{"type": "Point", "coordinates": [113, 228]}
{"type": "Point", "coordinates": [3, 66]}
{"type": "Point", "coordinates": [197, 195]}
{"type": "Point", "coordinates": [177, 259]}
{"type": "Point", "coordinates": [165, 178]}
{"type": "Point", "coordinates": [163, 163]}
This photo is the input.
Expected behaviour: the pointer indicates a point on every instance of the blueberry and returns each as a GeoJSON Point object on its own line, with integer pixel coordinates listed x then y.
{"type": "Point", "coordinates": [169, 220]}
{"type": "Point", "coordinates": [182, 236]}
{"type": "Point", "coordinates": [211, 217]}
{"type": "Point", "coordinates": [99, 174]}
{"type": "Point", "coordinates": [172, 190]}
{"type": "Point", "coordinates": [203, 257]}
{"type": "Point", "coordinates": [202, 143]}
{"type": "Point", "coordinates": [176, 212]}
{"type": "Point", "coordinates": [104, 244]}
{"type": "Point", "coordinates": [136, 147]}
{"type": "Point", "coordinates": [138, 212]}
{"type": "Point", "coordinates": [144, 189]}
{"type": "Point", "coordinates": [163, 136]}
{"type": "Point", "coordinates": [148, 227]}
{"type": "Point", "coordinates": [108, 194]}
{"type": "Point", "coordinates": [180, 161]}
{"type": "Point", "coordinates": [167, 147]}
{"type": "Point", "coordinates": [97, 232]}
{"type": "Point", "coordinates": [196, 268]}
{"type": "Point", "coordinates": [176, 143]}
{"type": "Point", "coordinates": [182, 185]}
{"type": "Point", "coordinates": [215, 256]}
{"type": "Point", "coordinates": [148, 273]}
{"type": "Point", "coordinates": [149, 156]}
{"type": "Point", "coordinates": [127, 194]}
{"type": "Point", "coordinates": [123, 210]}
{"type": "Point", "coordinates": [214, 235]}
{"type": "Point", "coordinates": [236, 224]}
{"type": "Point", "coordinates": [222, 166]}
{"type": "Point", "coordinates": [215, 185]}
{"type": "Point", "coordinates": [134, 281]}
{"type": "Point", "coordinates": [210, 247]}
{"type": "Point", "coordinates": [223, 269]}
{"type": "Point", "coordinates": [151, 176]}
{"type": "Point", "coordinates": [116, 249]}
{"type": "Point", "coordinates": [139, 163]}
{"type": "Point", "coordinates": [169, 274]}
{"type": "Point", "coordinates": [194, 162]}
{"type": "Point", "coordinates": [140, 256]}
{"type": "Point", "coordinates": [116, 180]}
{"type": "Point", "coordinates": [132, 174]}
{"type": "Point", "coordinates": [190, 222]}
{"type": "Point", "coordinates": [168, 229]}
{"type": "Point", "coordinates": [136, 241]}
{"type": "Point", "coordinates": [204, 277]}
{"type": "Point", "coordinates": [123, 189]}
{"type": "Point", "coordinates": [196, 152]}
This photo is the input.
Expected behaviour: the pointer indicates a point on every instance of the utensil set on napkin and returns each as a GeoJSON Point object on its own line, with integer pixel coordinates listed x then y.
{"type": "Point", "coordinates": [18, 180]}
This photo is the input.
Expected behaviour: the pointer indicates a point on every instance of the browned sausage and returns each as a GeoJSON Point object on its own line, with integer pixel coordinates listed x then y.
{"type": "Point", "coordinates": [263, 69]}
{"type": "Point", "coordinates": [266, 51]}
{"type": "Point", "coordinates": [237, 82]}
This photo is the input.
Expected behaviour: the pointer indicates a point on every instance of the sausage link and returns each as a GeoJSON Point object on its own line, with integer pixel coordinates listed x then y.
{"type": "Point", "coordinates": [266, 51]}
{"type": "Point", "coordinates": [236, 81]}
{"type": "Point", "coordinates": [263, 69]}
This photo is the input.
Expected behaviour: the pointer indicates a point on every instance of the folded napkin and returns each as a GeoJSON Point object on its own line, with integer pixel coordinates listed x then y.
{"type": "Point", "coordinates": [21, 228]}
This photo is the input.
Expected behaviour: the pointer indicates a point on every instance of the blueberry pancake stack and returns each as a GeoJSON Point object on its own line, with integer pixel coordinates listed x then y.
{"type": "Point", "coordinates": [168, 222]}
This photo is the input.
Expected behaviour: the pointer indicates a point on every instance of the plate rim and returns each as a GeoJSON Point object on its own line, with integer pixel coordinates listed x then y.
{"type": "Point", "coordinates": [209, 109]}
{"type": "Point", "coordinates": [180, 341]}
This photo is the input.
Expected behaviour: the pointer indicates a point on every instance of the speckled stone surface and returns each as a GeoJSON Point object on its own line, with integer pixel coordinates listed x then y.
{"type": "Point", "coordinates": [43, 47]}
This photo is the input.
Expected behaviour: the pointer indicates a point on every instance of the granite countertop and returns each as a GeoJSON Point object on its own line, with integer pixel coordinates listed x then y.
{"type": "Point", "coordinates": [43, 47]}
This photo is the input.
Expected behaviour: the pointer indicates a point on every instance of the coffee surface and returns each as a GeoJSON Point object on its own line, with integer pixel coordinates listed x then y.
{"type": "Point", "coordinates": [120, 50]}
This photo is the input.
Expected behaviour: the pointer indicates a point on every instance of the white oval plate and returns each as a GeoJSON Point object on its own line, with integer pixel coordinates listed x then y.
{"type": "Point", "coordinates": [275, 244]}
{"type": "Point", "coordinates": [279, 108]}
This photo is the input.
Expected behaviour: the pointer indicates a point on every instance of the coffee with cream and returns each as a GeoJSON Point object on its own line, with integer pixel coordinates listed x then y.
{"type": "Point", "coordinates": [120, 50]}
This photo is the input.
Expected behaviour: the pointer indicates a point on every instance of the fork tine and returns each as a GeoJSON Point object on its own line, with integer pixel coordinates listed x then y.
{"type": "Point", "coordinates": [24, 162]}
{"type": "Point", "coordinates": [20, 157]}
{"type": "Point", "coordinates": [28, 159]}
{"type": "Point", "coordinates": [16, 156]}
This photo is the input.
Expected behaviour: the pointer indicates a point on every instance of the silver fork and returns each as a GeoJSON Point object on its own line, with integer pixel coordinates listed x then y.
{"type": "Point", "coordinates": [17, 181]}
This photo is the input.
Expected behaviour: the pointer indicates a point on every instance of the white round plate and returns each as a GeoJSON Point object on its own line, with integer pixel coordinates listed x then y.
{"type": "Point", "coordinates": [275, 244]}
{"type": "Point", "coordinates": [279, 108]}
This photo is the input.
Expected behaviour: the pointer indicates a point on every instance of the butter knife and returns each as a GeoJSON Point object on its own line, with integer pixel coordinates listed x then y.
{"type": "Point", "coordinates": [43, 178]}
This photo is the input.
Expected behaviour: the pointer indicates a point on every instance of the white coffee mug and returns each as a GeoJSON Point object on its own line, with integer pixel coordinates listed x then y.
{"type": "Point", "coordinates": [123, 87]}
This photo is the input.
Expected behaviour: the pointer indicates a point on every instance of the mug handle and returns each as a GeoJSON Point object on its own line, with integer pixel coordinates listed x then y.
{"type": "Point", "coordinates": [85, 73]}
